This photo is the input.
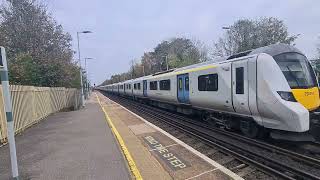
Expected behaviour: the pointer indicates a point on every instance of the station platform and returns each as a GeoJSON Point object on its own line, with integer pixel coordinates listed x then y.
{"type": "Point", "coordinates": [106, 141]}
{"type": "Point", "coordinates": [157, 154]}
{"type": "Point", "coordinates": [71, 145]}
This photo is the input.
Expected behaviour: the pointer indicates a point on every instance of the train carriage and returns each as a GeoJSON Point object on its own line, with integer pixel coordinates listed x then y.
{"type": "Point", "coordinates": [162, 87]}
{"type": "Point", "coordinates": [138, 87]}
{"type": "Point", "coordinates": [272, 88]}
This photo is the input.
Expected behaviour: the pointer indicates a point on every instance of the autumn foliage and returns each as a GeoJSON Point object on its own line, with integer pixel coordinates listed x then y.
{"type": "Point", "coordinates": [39, 51]}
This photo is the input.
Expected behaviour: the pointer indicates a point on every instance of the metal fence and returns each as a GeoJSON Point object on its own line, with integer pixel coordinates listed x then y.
{"type": "Point", "coordinates": [32, 104]}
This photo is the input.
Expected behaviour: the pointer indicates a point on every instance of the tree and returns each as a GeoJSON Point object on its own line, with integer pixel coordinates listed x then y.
{"type": "Point", "coordinates": [316, 62]}
{"type": "Point", "coordinates": [248, 34]}
{"type": "Point", "coordinates": [318, 47]}
{"type": "Point", "coordinates": [178, 51]}
{"type": "Point", "coordinates": [38, 49]}
{"type": "Point", "coordinates": [183, 53]}
{"type": "Point", "coordinates": [316, 66]}
{"type": "Point", "coordinates": [147, 62]}
{"type": "Point", "coordinates": [203, 50]}
{"type": "Point", "coordinates": [24, 70]}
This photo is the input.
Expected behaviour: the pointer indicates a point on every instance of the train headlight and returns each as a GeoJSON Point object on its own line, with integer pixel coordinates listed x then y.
{"type": "Point", "coordinates": [288, 96]}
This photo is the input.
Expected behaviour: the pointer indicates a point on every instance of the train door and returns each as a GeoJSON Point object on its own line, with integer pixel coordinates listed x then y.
{"type": "Point", "coordinates": [183, 88]}
{"type": "Point", "coordinates": [145, 86]}
{"type": "Point", "coordinates": [240, 90]}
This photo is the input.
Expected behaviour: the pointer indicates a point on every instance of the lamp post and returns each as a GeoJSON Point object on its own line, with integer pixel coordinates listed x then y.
{"type": "Point", "coordinates": [81, 82]}
{"type": "Point", "coordinates": [143, 70]}
{"type": "Point", "coordinates": [166, 61]}
{"type": "Point", "coordinates": [87, 72]}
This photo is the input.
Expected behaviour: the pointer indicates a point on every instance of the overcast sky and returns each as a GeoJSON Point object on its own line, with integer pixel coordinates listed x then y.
{"type": "Point", "coordinates": [123, 30]}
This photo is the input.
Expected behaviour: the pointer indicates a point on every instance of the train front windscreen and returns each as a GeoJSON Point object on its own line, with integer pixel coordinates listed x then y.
{"type": "Point", "coordinates": [301, 78]}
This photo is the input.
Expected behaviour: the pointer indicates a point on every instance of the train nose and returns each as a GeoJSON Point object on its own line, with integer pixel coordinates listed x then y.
{"type": "Point", "coordinates": [309, 98]}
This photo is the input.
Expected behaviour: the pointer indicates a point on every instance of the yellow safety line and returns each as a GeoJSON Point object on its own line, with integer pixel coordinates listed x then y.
{"type": "Point", "coordinates": [131, 163]}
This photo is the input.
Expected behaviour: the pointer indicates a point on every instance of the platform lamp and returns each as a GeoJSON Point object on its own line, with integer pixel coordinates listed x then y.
{"type": "Point", "coordinates": [81, 81]}
{"type": "Point", "coordinates": [166, 58]}
{"type": "Point", "coordinates": [9, 115]}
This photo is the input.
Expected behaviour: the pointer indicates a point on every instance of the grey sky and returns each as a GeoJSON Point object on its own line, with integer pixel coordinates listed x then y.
{"type": "Point", "coordinates": [123, 30]}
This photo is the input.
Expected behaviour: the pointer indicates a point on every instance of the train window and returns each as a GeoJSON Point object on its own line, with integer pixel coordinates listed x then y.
{"type": "Point", "coordinates": [129, 85]}
{"type": "Point", "coordinates": [186, 83]}
{"type": "Point", "coordinates": [164, 84]}
{"type": "Point", "coordinates": [153, 85]}
{"type": "Point", "coordinates": [135, 86]}
{"type": "Point", "coordinates": [139, 86]}
{"type": "Point", "coordinates": [208, 82]}
{"type": "Point", "coordinates": [297, 70]}
{"type": "Point", "coordinates": [180, 83]}
{"type": "Point", "coordinates": [240, 80]}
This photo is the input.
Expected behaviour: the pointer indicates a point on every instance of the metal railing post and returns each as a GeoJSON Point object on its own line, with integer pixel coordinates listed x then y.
{"type": "Point", "coordinates": [9, 115]}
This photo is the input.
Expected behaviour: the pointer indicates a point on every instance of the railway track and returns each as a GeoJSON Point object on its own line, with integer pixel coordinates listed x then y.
{"type": "Point", "coordinates": [268, 158]}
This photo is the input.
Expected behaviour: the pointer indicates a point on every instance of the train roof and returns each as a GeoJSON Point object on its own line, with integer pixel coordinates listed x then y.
{"type": "Point", "coordinates": [276, 49]}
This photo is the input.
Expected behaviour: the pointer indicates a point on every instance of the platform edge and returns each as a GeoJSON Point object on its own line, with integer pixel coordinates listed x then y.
{"type": "Point", "coordinates": [132, 165]}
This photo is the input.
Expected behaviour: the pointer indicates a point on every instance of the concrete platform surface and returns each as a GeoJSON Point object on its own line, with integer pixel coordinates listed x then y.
{"type": "Point", "coordinates": [68, 145]}
{"type": "Point", "coordinates": [159, 155]}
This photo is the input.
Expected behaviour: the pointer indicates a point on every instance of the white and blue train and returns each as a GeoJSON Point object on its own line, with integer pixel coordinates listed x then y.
{"type": "Point", "coordinates": [269, 89]}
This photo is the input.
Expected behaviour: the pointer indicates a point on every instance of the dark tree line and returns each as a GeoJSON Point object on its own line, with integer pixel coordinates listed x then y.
{"type": "Point", "coordinates": [39, 51]}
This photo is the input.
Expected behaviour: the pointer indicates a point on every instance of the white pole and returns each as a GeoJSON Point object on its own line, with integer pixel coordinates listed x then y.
{"type": "Point", "coordinates": [9, 116]}
{"type": "Point", "coordinates": [87, 76]}
{"type": "Point", "coordinates": [86, 83]}
{"type": "Point", "coordinates": [167, 62]}
{"type": "Point", "coordinates": [81, 83]}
